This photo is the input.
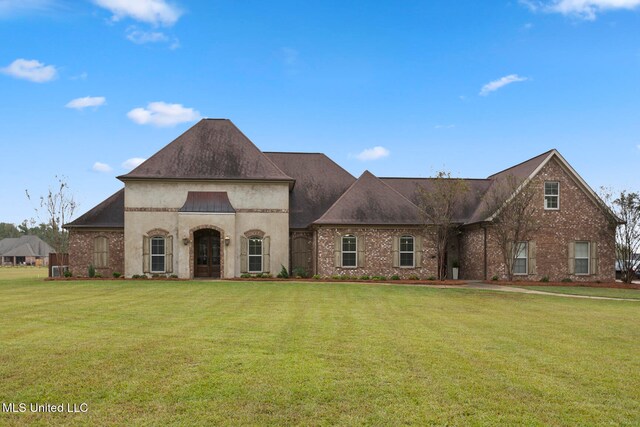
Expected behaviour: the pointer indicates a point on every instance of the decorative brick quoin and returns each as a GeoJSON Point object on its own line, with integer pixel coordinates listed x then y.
{"type": "Point", "coordinates": [210, 204]}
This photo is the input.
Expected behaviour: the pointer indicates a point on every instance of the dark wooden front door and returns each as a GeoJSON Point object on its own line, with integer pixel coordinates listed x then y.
{"type": "Point", "coordinates": [207, 253]}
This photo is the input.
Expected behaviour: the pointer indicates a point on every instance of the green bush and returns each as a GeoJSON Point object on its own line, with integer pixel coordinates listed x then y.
{"type": "Point", "coordinates": [245, 276]}
{"type": "Point", "coordinates": [116, 275]}
{"type": "Point", "coordinates": [414, 277]}
{"type": "Point", "coordinates": [544, 279]}
{"type": "Point", "coordinates": [174, 276]}
{"type": "Point", "coordinates": [265, 276]}
{"type": "Point", "coordinates": [365, 277]}
{"type": "Point", "coordinates": [316, 276]}
{"type": "Point", "coordinates": [566, 280]}
{"type": "Point", "coordinates": [284, 274]}
{"type": "Point", "coordinates": [395, 277]}
{"type": "Point", "coordinates": [336, 277]}
{"type": "Point", "coordinates": [495, 278]}
{"type": "Point", "coordinates": [67, 274]}
{"type": "Point", "coordinates": [432, 278]}
{"type": "Point", "coordinates": [144, 276]}
{"type": "Point", "coordinates": [98, 276]}
{"type": "Point", "coordinates": [379, 278]}
{"type": "Point", "coordinates": [300, 272]}
{"type": "Point", "coordinates": [92, 271]}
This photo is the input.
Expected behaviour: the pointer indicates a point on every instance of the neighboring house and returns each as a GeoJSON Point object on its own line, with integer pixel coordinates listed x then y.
{"type": "Point", "coordinates": [211, 204]}
{"type": "Point", "coordinates": [24, 250]}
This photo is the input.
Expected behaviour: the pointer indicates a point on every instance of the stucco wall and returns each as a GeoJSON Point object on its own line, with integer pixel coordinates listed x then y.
{"type": "Point", "coordinates": [155, 205]}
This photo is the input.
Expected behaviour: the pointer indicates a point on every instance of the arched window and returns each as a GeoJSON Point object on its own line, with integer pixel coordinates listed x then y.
{"type": "Point", "coordinates": [255, 254]}
{"type": "Point", "coordinates": [407, 251]}
{"type": "Point", "coordinates": [349, 251]}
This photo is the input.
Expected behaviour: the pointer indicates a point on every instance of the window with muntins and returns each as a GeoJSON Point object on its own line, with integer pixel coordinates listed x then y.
{"type": "Point", "coordinates": [406, 251]}
{"type": "Point", "coordinates": [520, 260]}
{"type": "Point", "coordinates": [255, 254]}
{"type": "Point", "coordinates": [349, 252]}
{"type": "Point", "coordinates": [552, 195]}
{"type": "Point", "coordinates": [582, 258]}
{"type": "Point", "coordinates": [157, 255]}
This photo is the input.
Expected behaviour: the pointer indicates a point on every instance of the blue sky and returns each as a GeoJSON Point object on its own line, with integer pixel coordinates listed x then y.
{"type": "Point", "coordinates": [401, 88]}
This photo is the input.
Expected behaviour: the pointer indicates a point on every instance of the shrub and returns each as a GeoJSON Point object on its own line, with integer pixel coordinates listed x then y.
{"type": "Point", "coordinates": [284, 274]}
{"type": "Point", "coordinates": [174, 276]}
{"type": "Point", "coordinates": [265, 275]}
{"type": "Point", "coordinates": [336, 277]}
{"type": "Point", "coordinates": [414, 277]}
{"type": "Point", "coordinates": [316, 276]}
{"type": "Point", "coordinates": [116, 275]}
{"type": "Point", "coordinates": [135, 276]}
{"type": "Point", "coordinates": [300, 272]}
{"type": "Point", "coordinates": [92, 271]}
{"type": "Point", "coordinates": [365, 277]}
{"type": "Point", "coordinates": [245, 276]}
{"type": "Point", "coordinates": [67, 274]}
{"type": "Point", "coordinates": [544, 279]}
{"type": "Point", "coordinates": [379, 278]}
{"type": "Point", "coordinates": [495, 278]}
{"type": "Point", "coordinates": [566, 280]}
{"type": "Point", "coordinates": [395, 277]}
{"type": "Point", "coordinates": [144, 276]}
{"type": "Point", "coordinates": [432, 278]}
{"type": "Point", "coordinates": [98, 276]}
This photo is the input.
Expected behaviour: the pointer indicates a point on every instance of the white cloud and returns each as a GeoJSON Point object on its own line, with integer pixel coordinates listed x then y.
{"type": "Point", "coordinates": [503, 81]}
{"type": "Point", "coordinates": [156, 12]}
{"type": "Point", "coordinates": [14, 7]}
{"type": "Point", "coordinates": [374, 153]}
{"type": "Point", "coordinates": [585, 9]}
{"type": "Point", "coordinates": [30, 69]}
{"type": "Point", "coordinates": [101, 167]}
{"type": "Point", "coordinates": [132, 163]}
{"type": "Point", "coordinates": [87, 101]}
{"type": "Point", "coordinates": [163, 114]}
{"type": "Point", "coordinates": [142, 37]}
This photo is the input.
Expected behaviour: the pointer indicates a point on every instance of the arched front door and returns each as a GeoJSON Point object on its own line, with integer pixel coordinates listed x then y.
{"type": "Point", "coordinates": [207, 253]}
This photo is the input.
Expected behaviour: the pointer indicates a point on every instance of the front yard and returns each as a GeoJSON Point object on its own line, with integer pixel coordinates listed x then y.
{"type": "Point", "coordinates": [204, 353]}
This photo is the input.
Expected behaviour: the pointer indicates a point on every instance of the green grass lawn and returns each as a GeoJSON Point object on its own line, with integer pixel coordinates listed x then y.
{"type": "Point", "coordinates": [599, 292]}
{"type": "Point", "coordinates": [207, 353]}
{"type": "Point", "coordinates": [13, 273]}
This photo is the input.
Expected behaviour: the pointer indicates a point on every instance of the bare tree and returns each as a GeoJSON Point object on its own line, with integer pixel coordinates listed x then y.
{"type": "Point", "coordinates": [626, 208]}
{"type": "Point", "coordinates": [442, 204]}
{"type": "Point", "coordinates": [511, 211]}
{"type": "Point", "coordinates": [55, 209]}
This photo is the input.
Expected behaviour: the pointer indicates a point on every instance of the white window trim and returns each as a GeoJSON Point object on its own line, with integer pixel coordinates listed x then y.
{"type": "Point", "coordinates": [526, 258]}
{"type": "Point", "coordinates": [152, 255]}
{"type": "Point", "coordinates": [557, 196]}
{"type": "Point", "coordinates": [413, 252]}
{"type": "Point", "coordinates": [342, 251]}
{"type": "Point", "coordinates": [588, 258]}
{"type": "Point", "coordinates": [249, 255]}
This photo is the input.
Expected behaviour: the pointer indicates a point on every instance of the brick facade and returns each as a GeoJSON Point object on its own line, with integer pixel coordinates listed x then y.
{"type": "Point", "coordinates": [578, 218]}
{"type": "Point", "coordinates": [81, 247]}
{"type": "Point", "coordinates": [378, 258]}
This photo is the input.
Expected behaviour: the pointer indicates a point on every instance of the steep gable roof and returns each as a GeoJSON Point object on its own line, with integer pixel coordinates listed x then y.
{"type": "Point", "coordinates": [369, 201]}
{"type": "Point", "coordinates": [108, 214]}
{"type": "Point", "coordinates": [319, 183]}
{"type": "Point", "coordinates": [211, 149]}
{"type": "Point", "coordinates": [24, 246]}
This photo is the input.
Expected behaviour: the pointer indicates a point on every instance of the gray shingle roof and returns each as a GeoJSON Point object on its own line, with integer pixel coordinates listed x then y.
{"type": "Point", "coordinates": [211, 149]}
{"type": "Point", "coordinates": [24, 246]}
{"type": "Point", "coordinates": [319, 183]}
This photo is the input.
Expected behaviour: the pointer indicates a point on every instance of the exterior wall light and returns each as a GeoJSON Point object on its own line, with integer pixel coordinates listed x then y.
{"type": "Point", "coordinates": [185, 241]}
{"type": "Point", "coordinates": [227, 240]}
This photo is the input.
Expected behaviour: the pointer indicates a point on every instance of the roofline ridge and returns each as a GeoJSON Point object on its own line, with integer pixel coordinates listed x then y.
{"type": "Point", "coordinates": [548, 152]}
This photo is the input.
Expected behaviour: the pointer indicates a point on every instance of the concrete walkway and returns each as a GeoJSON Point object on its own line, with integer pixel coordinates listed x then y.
{"type": "Point", "coordinates": [489, 287]}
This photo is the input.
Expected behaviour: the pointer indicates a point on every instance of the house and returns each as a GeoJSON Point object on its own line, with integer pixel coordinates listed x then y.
{"type": "Point", "coordinates": [211, 204]}
{"type": "Point", "coordinates": [24, 250]}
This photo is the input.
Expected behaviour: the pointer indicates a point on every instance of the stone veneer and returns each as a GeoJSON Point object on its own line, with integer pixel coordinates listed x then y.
{"type": "Point", "coordinates": [578, 219]}
{"type": "Point", "coordinates": [81, 251]}
{"type": "Point", "coordinates": [378, 252]}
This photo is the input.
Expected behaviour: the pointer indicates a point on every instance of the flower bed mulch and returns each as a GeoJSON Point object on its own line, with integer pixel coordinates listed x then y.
{"type": "Point", "coordinates": [523, 283]}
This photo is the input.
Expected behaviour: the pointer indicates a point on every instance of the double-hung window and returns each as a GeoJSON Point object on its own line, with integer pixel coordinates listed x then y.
{"type": "Point", "coordinates": [255, 255]}
{"type": "Point", "coordinates": [520, 261]}
{"type": "Point", "coordinates": [349, 251]}
{"type": "Point", "coordinates": [552, 195]}
{"type": "Point", "coordinates": [407, 251]}
{"type": "Point", "coordinates": [157, 255]}
{"type": "Point", "coordinates": [582, 258]}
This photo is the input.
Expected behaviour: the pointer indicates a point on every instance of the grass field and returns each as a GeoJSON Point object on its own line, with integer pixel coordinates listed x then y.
{"type": "Point", "coordinates": [205, 353]}
{"type": "Point", "coordinates": [599, 292]}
